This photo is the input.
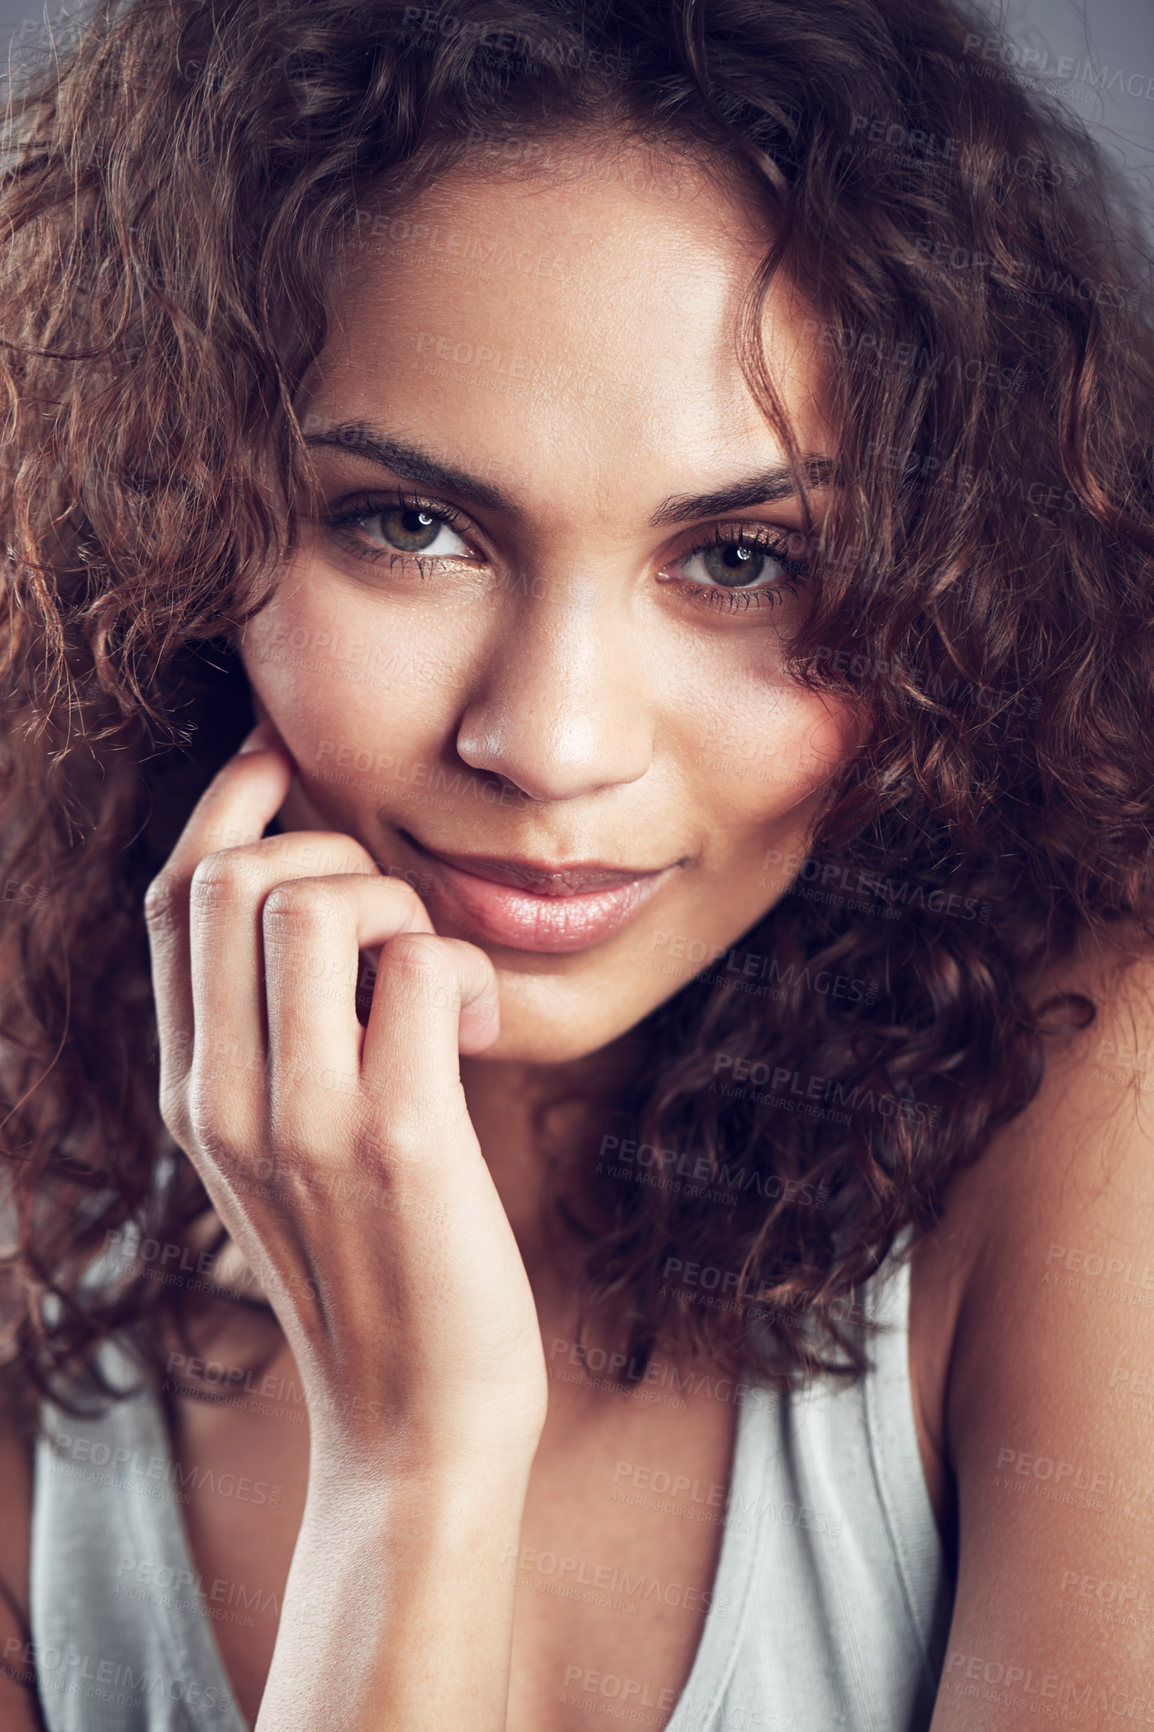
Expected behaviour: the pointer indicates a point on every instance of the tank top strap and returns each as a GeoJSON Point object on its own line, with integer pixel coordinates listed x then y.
{"type": "Point", "coordinates": [895, 1453]}
{"type": "Point", "coordinates": [121, 1637]}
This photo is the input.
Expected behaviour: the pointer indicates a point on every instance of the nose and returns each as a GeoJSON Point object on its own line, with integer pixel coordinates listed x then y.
{"type": "Point", "coordinates": [561, 706]}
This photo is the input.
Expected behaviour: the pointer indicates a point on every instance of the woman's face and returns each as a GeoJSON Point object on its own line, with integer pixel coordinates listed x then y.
{"type": "Point", "coordinates": [548, 631]}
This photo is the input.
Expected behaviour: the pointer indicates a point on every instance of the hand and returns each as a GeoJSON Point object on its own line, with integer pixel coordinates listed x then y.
{"type": "Point", "coordinates": [412, 1322]}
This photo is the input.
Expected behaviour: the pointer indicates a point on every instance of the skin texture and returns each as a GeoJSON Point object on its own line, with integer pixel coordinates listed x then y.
{"type": "Point", "coordinates": [611, 712]}
{"type": "Point", "coordinates": [638, 725]}
{"type": "Point", "coordinates": [609, 715]}
{"type": "Point", "coordinates": [574, 657]}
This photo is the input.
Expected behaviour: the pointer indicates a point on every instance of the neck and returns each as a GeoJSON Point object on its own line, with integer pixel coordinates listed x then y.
{"type": "Point", "coordinates": [576, 1100]}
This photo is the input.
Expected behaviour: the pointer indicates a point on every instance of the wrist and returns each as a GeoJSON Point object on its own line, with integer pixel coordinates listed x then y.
{"type": "Point", "coordinates": [376, 1467]}
{"type": "Point", "coordinates": [402, 1585]}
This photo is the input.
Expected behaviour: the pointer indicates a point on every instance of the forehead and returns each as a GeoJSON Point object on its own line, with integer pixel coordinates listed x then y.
{"type": "Point", "coordinates": [588, 312]}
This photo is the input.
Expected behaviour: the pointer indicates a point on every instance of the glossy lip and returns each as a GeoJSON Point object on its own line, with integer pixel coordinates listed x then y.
{"type": "Point", "coordinates": [556, 919]}
{"type": "Point", "coordinates": [562, 878]}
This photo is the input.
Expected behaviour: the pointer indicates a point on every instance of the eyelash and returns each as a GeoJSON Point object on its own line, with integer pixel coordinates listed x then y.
{"type": "Point", "coordinates": [759, 540]}
{"type": "Point", "coordinates": [367, 507]}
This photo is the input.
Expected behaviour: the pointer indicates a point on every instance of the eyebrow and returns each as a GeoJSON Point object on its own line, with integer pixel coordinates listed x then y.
{"type": "Point", "coordinates": [762, 489]}
{"type": "Point", "coordinates": [413, 464]}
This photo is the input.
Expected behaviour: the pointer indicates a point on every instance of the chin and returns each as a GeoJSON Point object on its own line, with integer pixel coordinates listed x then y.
{"type": "Point", "coordinates": [559, 1034]}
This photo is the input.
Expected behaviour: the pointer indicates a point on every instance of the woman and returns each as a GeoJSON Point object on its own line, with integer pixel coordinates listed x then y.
{"type": "Point", "coordinates": [594, 1161]}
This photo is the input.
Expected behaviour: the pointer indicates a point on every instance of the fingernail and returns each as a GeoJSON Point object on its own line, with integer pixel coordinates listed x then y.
{"type": "Point", "coordinates": [262, 735]}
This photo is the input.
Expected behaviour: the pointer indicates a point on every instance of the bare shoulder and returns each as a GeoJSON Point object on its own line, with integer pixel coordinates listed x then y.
{"type": "Point", "coordinates": [1073, 1175]}
{"type": "Point", "coordinates": [1046, 1249]}
{"type": "Point", "coordinates": [1092, 1118]}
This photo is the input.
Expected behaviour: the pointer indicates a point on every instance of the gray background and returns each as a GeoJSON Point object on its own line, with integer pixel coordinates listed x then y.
{"type": "Point", "coordinates": [1104, 38]}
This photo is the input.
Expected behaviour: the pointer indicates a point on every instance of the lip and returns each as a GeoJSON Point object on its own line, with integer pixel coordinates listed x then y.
{"type": "Point", "coordinates": [542, 878]}
{"type": "Point", "coordinates": [554, 908]}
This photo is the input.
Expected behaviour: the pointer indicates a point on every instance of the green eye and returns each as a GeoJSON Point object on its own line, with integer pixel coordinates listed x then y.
{"type": "Point", "coordinates": [733, 563]}
{"type": "Point", "coordinates": [746, 562]}
{"type": "Point", "coordinates": [742, 569]}
{"type": "Point", "coordinates": [397, 530]}
{"type": "Point", "coordinates": [409, 530]}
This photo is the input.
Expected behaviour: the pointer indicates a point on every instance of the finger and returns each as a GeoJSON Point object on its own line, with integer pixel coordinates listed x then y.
{"type": "Point", "coordinates": [411, 1047]}
{"type": "Point", "coordinates": [236, 806]}
{"type": "Point", "coordinates": [227, 900]}
{"type": "Point", "coordinates": [239, 803]}
{"type": "Point", "coordinates": [313, 932]}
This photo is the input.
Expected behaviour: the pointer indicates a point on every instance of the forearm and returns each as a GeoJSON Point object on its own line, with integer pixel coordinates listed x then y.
{"type": "Point", "coordinates": [395, 1617]}
{"type": "Point", "coordinates": [398, 1611]}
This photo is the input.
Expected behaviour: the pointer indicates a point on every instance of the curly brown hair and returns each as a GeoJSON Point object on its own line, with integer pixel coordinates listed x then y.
{"type": "Point", "coordinates": [176, 189]}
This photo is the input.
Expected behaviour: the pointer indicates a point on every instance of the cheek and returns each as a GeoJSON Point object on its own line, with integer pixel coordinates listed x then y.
{"type": "Point", "coordinates": [338, 686]}
{"type": "Point", "coordinates": [762, 747]}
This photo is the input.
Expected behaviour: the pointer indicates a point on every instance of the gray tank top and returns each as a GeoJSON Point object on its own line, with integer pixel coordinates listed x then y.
{"type": "Point", "coordinates": [830, 1606]}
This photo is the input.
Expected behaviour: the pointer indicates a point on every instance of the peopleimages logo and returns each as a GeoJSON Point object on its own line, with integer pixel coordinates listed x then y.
{"type": "Point", "coordinates": [104, 1676]}
{"type": "Point", "coordinates": [828, 1090]}
{"type": "Point", "coordinates": [894, 893]}
{"type": "Point", "coordinates": [741, 965]}
{"type": "Point", "coordinates": [700, 1171]}
{"type": "Point", "coordinates": [155, 1476]}
{"type": "Point", "coordinates": [1040, 63]}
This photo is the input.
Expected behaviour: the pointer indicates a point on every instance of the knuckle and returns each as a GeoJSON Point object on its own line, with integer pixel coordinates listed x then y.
{"type": "Point", "coordinates": [301, 902]}
{"type": "Point", "coordinates": [414, 968]}
{"type": "Point", "coordinates": [416, 956]}
{"type": "Point", "coordinates": [162, 901]}
{"type": "Point", "coordinates": [173, 1111]}
{"type": "Point", "coordinates": [220, 877]}
{"type": "Point", "coordinates": [400, 1142]}
{"type": "Point", "coordinates": [214, 1112]}
{"type": "Point", "coordinates": [200, 1103]}
{"type": "Point", "coordinates": [212, 1129]}
{"type": "Point", "coordinates": [415, 964]}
